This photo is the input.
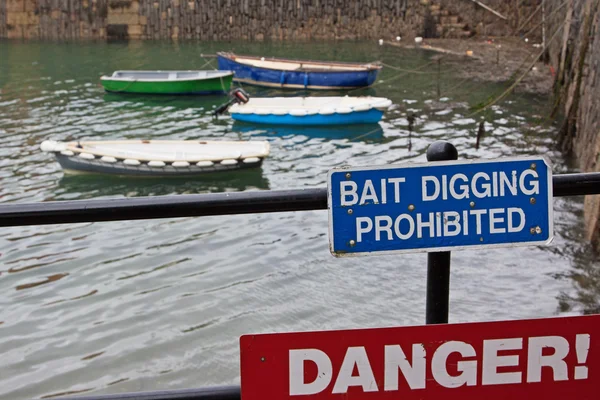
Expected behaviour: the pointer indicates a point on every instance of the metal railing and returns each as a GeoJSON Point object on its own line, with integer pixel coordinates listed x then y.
{"type": "Point", "coordinates": [200, 205]}
{"type": "Point", "coordinates": [63, 212]}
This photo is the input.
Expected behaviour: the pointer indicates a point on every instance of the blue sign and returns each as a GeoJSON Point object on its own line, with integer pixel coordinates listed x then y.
{"type": "Point", "coordinates": [440, 206]}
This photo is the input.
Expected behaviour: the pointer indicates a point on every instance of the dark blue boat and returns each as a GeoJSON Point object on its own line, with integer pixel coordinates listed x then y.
{"type": "Point", "coordinates": [298, 74]}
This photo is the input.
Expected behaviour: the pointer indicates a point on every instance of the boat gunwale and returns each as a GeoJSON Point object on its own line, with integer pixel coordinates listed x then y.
{"type": "Point", "coordinates": [295, 86]}
{"type": "Point", "coordinates": [72, 146]}
{"type": "Point", "coordinates": [364, 67]}
{"type": "Point", "coordinates": [373, 102]}
{"type": "Point", "coordinates": [218, 74]}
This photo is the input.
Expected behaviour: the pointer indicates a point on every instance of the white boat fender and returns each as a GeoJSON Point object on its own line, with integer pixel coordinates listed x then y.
{"type": "Point", "coordinates": [298, 113]}
{"type": "Point", "coordinates": [205, 163]}
{"type": "Point", "coordinates": [52, 146]}
{"type": "Point", "coordinates": [343, 110]}
{"type": "Point", "coordinates": [67, 153]}
{"type": "Point", "coordinates": [362, 107]}
{"type": "Point", "coordinates": [242, 110]}
{"type": "Point", "coordinates": [108, 159]}
{"type": "Point", "coordinates": [48, 145]}
{"type": "Point", "coordinates": [86, 156]}
{"type": "Point", "coordinates": [229, 162]}
{"type": "Point", "coordinates": [130, 161]}
{"type": "Point", "coordinates": [156, 164]}
{"type": "Point", "coordinates": [327, 111]}
{"type": "Point", "coordinates": [251, 160]}
{"type": "Point", "coordinates": [181, 164]}
{"type": "Point", "coordinates": [382, 104]}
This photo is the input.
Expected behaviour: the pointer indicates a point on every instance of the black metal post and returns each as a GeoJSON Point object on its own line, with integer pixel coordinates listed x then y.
{"type": "Point", "coordinates": [438, 263]}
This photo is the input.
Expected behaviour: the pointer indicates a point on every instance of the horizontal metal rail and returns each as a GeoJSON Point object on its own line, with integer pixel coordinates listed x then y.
{"type": "Point", "coordinates": [197, 205]}
{"type": "Point", "coordinates": [207, 393]}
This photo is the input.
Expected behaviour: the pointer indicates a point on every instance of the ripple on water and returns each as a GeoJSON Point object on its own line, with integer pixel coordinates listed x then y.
{"type": "Point", "coordinates": [142, 305]}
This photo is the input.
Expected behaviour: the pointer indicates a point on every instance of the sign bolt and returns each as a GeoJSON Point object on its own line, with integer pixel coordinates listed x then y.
{"type": "Point", "coordinates": [262, 359]}
{"type": "Point", "coordinates": [533, 166]}
{"type": "Point", "coordinates": [352, 243]}
{"type": "Point", "coordinates": [350, 211]}
{"type": "Point", "coordinates": [472, 204]}
{"type": "Point", "coordinates": [411, 207]}
{"type": "Point", "coordinates": [348, 175]}
{"type": "Point", "coordinates": [538, 230]}
{"type": "Point", "coordinates": [532, 231]}
{"type": "Point", "coordinates": [532, 200]}
{"type": "Point", "coordinates": [481, 239]}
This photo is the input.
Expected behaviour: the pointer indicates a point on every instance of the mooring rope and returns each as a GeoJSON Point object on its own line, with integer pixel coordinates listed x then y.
{"type": "Point", "coordinates": [222, 84]}
{"type": "Point", "coordinates": [126, 87]}
{"type": "Point", "coordinates": [367, 134]}
{"type": "Point", "coordinates": [517, 81]}
{"type": "Point", "coordinates": [409, 71]}
{"type": "Point", "coordinates": [206, 63]}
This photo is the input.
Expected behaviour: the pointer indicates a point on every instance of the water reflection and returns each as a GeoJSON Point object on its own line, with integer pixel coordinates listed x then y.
{"type": "Point", "coordinates": [585, 276]}
{"type": "Point", "coordinates": [181, 102]}
{"type": "Point", "coordinates": [358, 132]}
{"type": "Point", "coordinates": [49, 279]}
{"type": "Point", "coordinates": [88, 186]}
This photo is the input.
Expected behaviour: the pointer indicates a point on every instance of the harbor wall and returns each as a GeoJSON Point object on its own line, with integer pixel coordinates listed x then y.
{"type": "Point", "coordinates": [259, 19]}
{"type": "Point", "coordinates": [575, 56]}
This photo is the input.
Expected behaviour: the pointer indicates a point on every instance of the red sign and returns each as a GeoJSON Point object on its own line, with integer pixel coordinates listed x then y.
{"type": "Point", "coordinates": [552, 358]}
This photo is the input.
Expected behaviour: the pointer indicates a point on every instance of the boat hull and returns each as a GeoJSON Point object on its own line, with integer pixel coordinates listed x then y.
{"type": "Point", "coordinates": [76, 165]}
{"type": "Point", "coordinates": [315, 80]}
{"type": "Point", "coordinates": [157, 157]}
{"type": "Point", "coordinates": [174, 87]}
{"type": "Point", "coordinates": [358, 117]}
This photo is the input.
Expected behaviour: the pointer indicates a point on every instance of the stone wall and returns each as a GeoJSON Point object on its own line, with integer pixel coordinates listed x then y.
{"type": "Point", "coordinates": [54, 19]}
{"type": "Point", "coordinates": [255, 19]}
{"type": "Point", "coordinates": [2, 18]}
{"type": "Point", "coordinates": [575, 55]}
{"type": "Point", "coordinates": [484, 22]}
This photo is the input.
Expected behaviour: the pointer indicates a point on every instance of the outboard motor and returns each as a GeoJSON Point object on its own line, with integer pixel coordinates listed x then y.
{"type": "Point", "coordinates": [237, 96]}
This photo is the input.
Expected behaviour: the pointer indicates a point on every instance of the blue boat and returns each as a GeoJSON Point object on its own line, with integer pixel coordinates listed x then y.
{"type": "Point", "coordinates": [298, 74]}
{"type": "Point", "coordinates": [356, 132]}
{"type": "Point", "coordinates": [311, 111]}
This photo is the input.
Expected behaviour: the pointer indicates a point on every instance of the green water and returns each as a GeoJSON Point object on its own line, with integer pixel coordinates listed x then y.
{"type": "Point", "coordinates": [149, 305]}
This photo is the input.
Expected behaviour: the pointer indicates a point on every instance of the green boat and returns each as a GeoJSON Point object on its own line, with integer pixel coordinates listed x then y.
{"type": "Point", "coordinates": [168, 82]}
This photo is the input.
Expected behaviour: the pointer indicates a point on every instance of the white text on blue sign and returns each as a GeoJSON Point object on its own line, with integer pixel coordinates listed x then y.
{"type": "Point", "coordinates": [440, 206]}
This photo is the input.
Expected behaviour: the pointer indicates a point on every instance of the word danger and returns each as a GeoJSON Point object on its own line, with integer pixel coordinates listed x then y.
{"type": "Point", "coordinates": [409, 224]}
{"type": "Point", "coordinates": [451, 365]}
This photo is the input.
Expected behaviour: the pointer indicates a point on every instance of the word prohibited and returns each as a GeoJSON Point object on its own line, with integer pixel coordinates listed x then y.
{"type": "Point", "coordinates": [440, 206]}
{"type": "Point", "coordinates": [551, 358]}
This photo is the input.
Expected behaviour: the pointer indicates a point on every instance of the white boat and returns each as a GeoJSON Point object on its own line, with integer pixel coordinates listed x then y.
{"type": "Point", "coordinates": [157, 157]}
{"type": "Point", "coordinates": [311, 110]}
